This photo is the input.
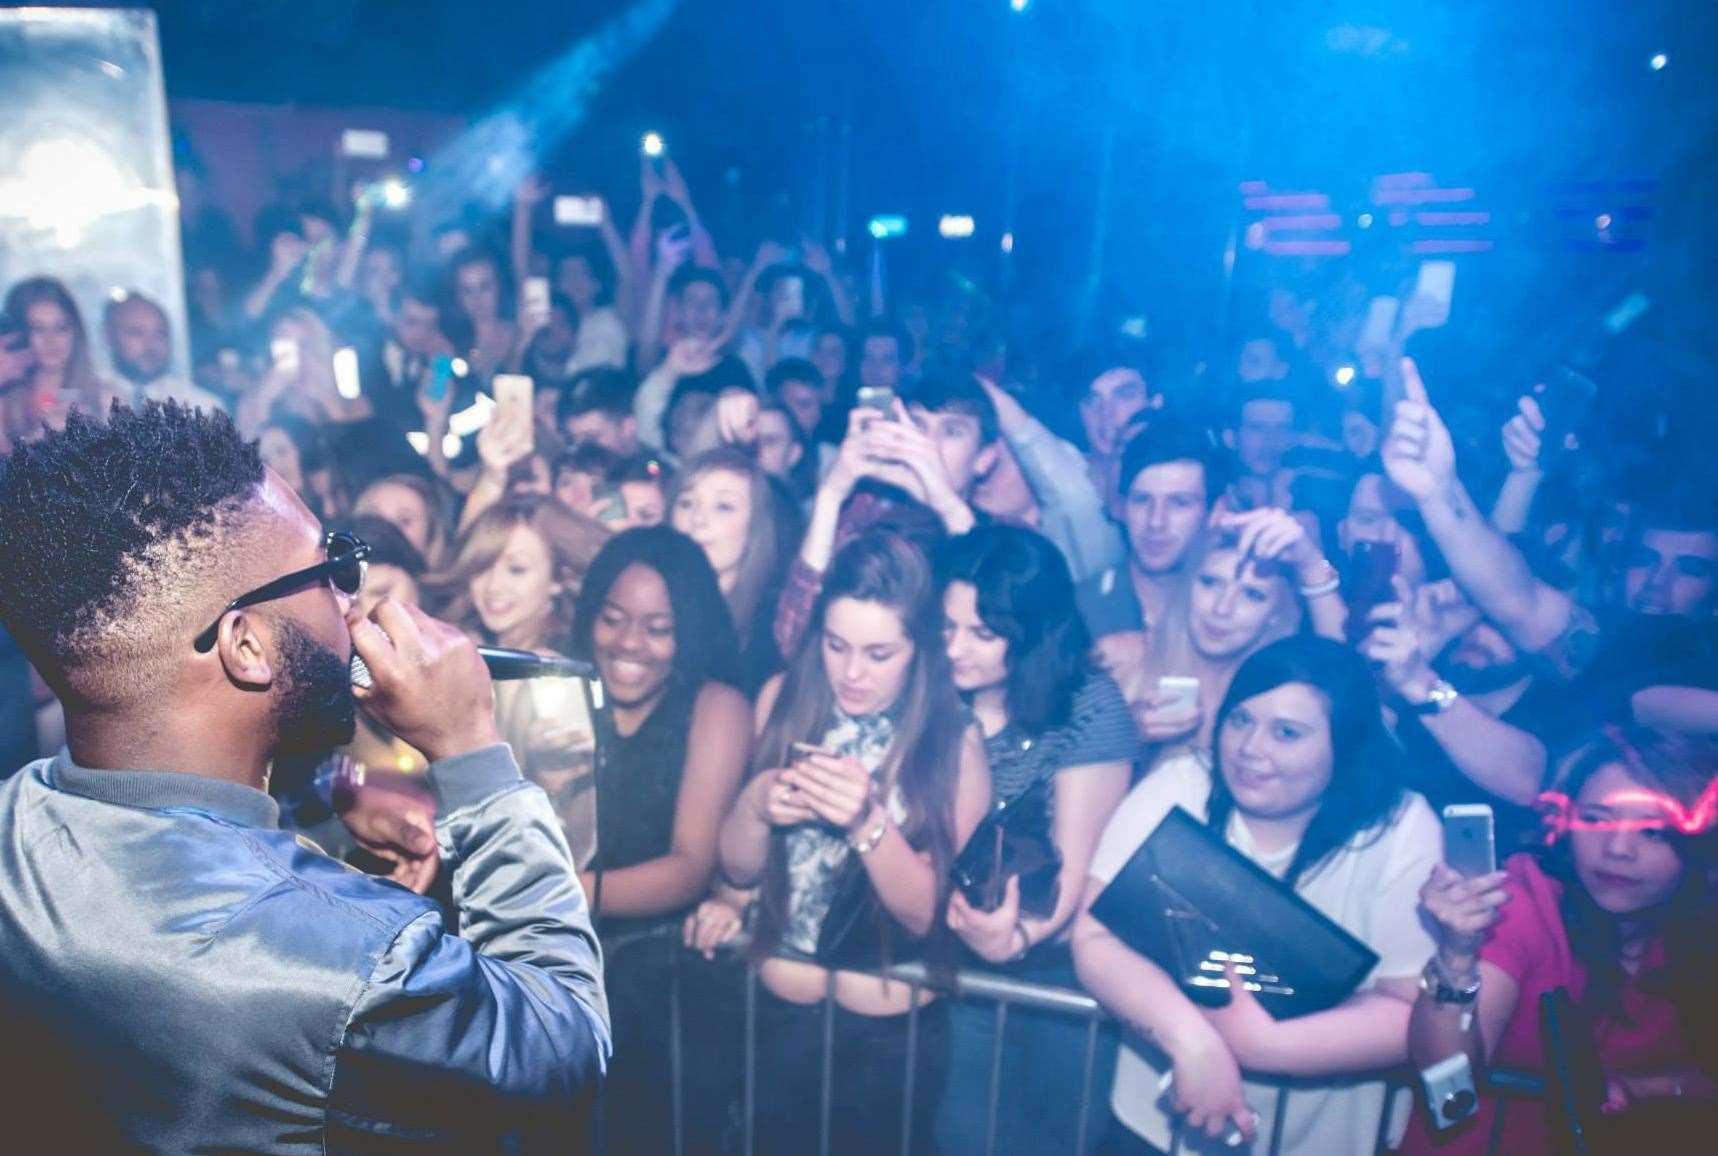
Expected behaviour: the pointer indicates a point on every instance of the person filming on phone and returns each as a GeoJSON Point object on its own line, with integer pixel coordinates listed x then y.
{"type": "Point", "coordinates": [182, 973]}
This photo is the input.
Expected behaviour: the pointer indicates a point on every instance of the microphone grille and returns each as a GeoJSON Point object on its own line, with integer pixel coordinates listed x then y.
{"type": "Point", "coordinates": [360, 674]}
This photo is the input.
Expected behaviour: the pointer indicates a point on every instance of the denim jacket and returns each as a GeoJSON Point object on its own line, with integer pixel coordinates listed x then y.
{"type": "Point", "coordinates": [178, 974]}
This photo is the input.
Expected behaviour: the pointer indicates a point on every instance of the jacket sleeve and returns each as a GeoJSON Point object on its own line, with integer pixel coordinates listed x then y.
{"type": "Point", "coordinates": [501, 1031]}
{"type": "Point", "coordinates": [1070, 508]}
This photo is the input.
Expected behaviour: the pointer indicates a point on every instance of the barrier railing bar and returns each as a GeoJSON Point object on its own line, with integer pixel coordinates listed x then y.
{"type": "Point", "coordinates": [912, 1070]}
{"type": "Point", "coordinates": [1086, 1078]}
{"type": "Point", "coordinates": [828, 1065]}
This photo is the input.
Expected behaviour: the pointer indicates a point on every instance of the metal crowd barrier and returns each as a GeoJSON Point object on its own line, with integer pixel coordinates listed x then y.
{"type": "Point", "coordinates": [1005, 993]}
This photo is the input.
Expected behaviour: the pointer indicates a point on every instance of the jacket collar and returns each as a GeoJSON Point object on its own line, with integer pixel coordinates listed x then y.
{"type": "Point", "coordinates": [160, 790]}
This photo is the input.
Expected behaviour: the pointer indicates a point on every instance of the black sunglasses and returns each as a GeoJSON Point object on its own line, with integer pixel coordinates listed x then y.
{"type": "Point", "coordinates": [345, 568]}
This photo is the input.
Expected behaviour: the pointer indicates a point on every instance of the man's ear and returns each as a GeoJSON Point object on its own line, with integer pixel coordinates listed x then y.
{"type": "Point", "coordinates": [795, 451]}
{"type": "Point", "coordinates": [1229, 438]}
{"type": "Point", "coordinates": [985, 460]}
{"type": "Point", "coordinates": [243, 650]}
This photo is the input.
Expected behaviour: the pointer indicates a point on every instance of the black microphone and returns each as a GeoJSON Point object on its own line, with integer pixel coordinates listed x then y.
{"type": "Point", "coordinates": [504, 665]}
{"type": "Point", "coordinates": [507, 664]}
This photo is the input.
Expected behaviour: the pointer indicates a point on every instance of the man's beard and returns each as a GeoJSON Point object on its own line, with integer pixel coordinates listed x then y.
{"type": "Point", "coordinates": [314, 708]}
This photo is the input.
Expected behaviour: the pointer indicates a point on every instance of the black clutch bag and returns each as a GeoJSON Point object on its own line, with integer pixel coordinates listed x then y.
{"type": "Point", "coordinates": [1191, 903]}
{"type": "Point", "coordinates": [1013, 840]}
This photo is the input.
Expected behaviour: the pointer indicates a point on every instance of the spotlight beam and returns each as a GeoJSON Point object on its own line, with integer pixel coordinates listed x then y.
{"type": "Point", "coordinates": [487, 161]}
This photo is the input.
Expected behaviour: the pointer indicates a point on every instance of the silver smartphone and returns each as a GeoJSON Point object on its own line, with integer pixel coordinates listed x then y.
{"type": "Point", "coordinates": [1179, 690]}
{"type": "Point", "coordinates": [1470, 840]}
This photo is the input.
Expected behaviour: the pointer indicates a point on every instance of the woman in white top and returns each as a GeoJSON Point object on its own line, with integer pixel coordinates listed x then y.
{"type": "Point", "coordinates": [1303, 783]}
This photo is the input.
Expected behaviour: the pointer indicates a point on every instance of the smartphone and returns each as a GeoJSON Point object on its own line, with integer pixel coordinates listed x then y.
{"type": "Point", "coordinates": [534, 300]}
{"type": "Point", "coordinates": [284, 351]}
{"type": "Point", "coordinates": [513, 400]}
{"type": "Point", "coordinates": [346, 378]}
{"type": "Point", "coordinates": [609, 506]}
{"type": "Point", "coordinates": [801, 750]}
{"type": "Point", "coordinates": [1434, 288]}
{"type": "Point", "coordinates": [878, 397]}
{"type": "Point", "coordinates": [441, 376]}
{"type": "Point", "coordinates": [1371, 569]}
{"type": "Point", "coordinates": [1470, 840]}
{"type": "Point", "coordinates": [793, 296]}
{"type": "Point", "coordinates": [578, 212]}
{"type": "Point", "coordinates": [1380, 324]}
{"type": "Point", "coordinates": [364, 144]}
{"type": "Point", "coordinates": [1179, 690]}
{"type": "Point", "coordinates": [1564, 398]}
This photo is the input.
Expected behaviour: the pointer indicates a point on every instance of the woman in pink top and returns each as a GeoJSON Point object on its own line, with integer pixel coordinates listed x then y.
{"type": "Point", "coordinates": [1619, 911]}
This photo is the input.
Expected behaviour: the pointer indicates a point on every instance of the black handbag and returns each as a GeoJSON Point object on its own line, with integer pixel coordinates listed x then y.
{"type": "Point", "coordinates": [1013, 840]}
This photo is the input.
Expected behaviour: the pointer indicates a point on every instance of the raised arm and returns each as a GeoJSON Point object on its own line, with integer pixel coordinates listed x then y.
{"type": "Point", "coordinates": [1504, 760]}
{"type": "Point", "coordinates": [530, 194]}
{"type": "Point", "coordinates": [1420, 458]}
{"type": "Point", "coordinates": [1521, 445]}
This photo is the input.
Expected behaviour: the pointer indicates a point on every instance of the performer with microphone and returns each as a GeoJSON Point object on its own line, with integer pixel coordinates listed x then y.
{"type": "Point", "coordinates": [176, 972]}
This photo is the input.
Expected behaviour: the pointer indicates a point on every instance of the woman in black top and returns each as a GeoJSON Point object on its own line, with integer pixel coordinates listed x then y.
{"type": "Point", "coordinates": [1017, 651]}
{"type": "Point", "coordinates": [652, 619]}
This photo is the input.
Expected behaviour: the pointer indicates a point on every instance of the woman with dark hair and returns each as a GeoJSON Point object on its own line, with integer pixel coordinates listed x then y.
{"type": "Point", "coordinates": [1619, 911]}
{"type": "Point", "coordinates": [724, 502]}
{"type": "Point", "coordinates": [480, 298]}
{"type": "Point", "coordinates": [1018, 651]}
{"type": "Point", "coordinates": [1303, 783]}
{"type": "Point", "coordinates": [63, 376]}
{"type": "Point", "coordinates": [866, 779]}
{"type": "Point", "coordinates": [653, 621]}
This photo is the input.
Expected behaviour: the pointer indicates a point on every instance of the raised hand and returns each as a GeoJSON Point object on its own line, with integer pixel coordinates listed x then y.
{"type": "Point", "coordinates": [1462, 910]}
{"type": "Point", "coordinates": [1418, 453]}
{"type": "Point", "coordinates": [1522, 435]}
{"type": "Point", "coordinates": [836, 788]}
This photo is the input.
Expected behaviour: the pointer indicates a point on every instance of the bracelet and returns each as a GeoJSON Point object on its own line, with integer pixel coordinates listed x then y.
{"type": "Point", "coordinates": [1319, 589]}
{"type": "Point", "coordinates": [868, 843]}
{"type": "Point", "coordinates": [1025, 943]}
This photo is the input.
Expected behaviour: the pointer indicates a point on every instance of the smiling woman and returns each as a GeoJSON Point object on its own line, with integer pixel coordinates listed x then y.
{"type": "Point", "coordinates": [1301, 784]}
{"type": "Point", "coordinates": [652, 619]}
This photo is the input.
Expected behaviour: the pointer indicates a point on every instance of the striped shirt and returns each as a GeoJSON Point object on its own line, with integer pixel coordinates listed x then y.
{"type": "Point", "coordinates": [1099, 730]}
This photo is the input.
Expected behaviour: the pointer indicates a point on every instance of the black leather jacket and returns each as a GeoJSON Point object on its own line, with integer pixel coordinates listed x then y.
{"type": "Point", "coordinates": [178, 974]}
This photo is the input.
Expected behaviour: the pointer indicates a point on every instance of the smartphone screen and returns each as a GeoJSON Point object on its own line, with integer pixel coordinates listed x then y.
{"type": "Point", "coordinates": [1180, 690]}
{"type": "Point", "coordinates": [1372, 566]}
{"type": "Point", "coordinates": [513, 400]}
{"type": "Point", "coordinates": [578, 212]}
{"type": "Point", "coordinates": [535, 299]}
{"type": "Point", "coordinates": [284, 351]}
{"type": "Point", "coordinates": [1564, 398]}
{"type": "Point", "coordinates": [1469, 840]}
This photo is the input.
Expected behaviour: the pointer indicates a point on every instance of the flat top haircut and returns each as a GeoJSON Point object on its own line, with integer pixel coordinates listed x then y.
{"type": "Point", "coordinates": [116, 537]}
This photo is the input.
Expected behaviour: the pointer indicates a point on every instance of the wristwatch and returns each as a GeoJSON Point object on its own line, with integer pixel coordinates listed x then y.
{"type": "Point", "coordinates": [1435, 984]}
{"type": "Point", "coordinates": [1439, 698]}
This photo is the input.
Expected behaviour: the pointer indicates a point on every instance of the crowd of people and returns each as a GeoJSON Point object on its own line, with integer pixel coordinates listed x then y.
{"type": "Point", "coordinates": [850, 591]}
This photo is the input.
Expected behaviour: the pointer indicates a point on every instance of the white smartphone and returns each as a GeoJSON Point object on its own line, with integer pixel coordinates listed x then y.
{"type": "Point", "coordinates": [1434, 288]}
{"type": "Point", "coordinates": [346, 379]}
{"type": "Point", "coordinates": [1470, 839]}
{"type": "Point", "coordinates": [364, 144]}
{"type": "Point", "coordinates": [534, 300]}
{"type": "Point", "coordinates": [1179, 690]}
{"type": "Point", "coordinates": [1380, 324]}
{"type": "Point", "coordinates": [284, 351]}
{"type": "Point", "coordinates": [578, 212]}
{"type": "Point", "coordinates": [513, 401]}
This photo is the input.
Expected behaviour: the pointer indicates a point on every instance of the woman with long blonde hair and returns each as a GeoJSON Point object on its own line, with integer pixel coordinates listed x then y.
{"type": "Point", "coordinates": [513, 580]}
